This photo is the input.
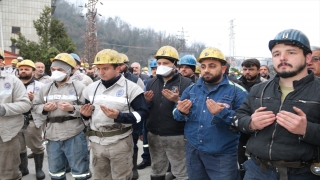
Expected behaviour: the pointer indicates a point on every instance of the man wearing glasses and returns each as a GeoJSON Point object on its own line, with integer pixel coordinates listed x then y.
{"type": "Point", "coordinates": [314, 64]}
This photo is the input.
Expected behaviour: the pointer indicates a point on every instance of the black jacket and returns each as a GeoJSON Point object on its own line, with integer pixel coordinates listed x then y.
{"type": "Point", "coordinates": [274, 142]}
{"type": "Point", "coordinates": [161, 121]}
{"type": "Point", "coordinates": [247, 85]}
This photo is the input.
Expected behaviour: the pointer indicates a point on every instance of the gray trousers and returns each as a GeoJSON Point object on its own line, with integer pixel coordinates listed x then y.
{"type": "Point", "coordinates": [165, 149]}
{"type": "Point", "coordinates": [10, 159]}
{"type": "Point", "coordinates": [114, 161]}
{"type": "Point", "coordinates": [31, 137]}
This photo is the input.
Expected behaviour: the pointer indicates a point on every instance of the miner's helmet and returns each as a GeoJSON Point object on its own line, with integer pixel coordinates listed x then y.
{"type": "Point", "coordinates": [293, 37]}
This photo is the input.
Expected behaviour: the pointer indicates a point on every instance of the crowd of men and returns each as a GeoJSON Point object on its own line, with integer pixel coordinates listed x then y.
{"type": "Point", "coordinates": [197, 122]}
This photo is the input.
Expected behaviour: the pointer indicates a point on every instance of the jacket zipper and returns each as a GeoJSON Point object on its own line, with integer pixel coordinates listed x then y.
{"type": "Point", "coordinates": [275, 127]}
{"type": "Point", "coordinates": [164, 84]}
{"type": "Point", "coordinates": [273, 133]}
{"type": "Point", "coordinates": [303, 101]}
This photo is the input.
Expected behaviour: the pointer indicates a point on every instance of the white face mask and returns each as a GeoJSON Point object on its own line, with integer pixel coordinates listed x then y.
{"type": "Point", "coordinates": [58, 76]}
{"type": "Point", "coordinates": [164, 70]}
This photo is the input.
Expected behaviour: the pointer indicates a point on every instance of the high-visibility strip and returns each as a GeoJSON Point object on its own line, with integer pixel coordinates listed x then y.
{"type": "Point", "coordinates": [60, 97]}
{"type": "Point", "coordinates": [80, 175]}
{"type": "Point", "coordinates": [58, 174]}
{"type": "Point", "coordinates": [2, 92]}
{"type": "Point", "coordinates": [108, 98]}
{"type": "Point", "coordinates": [137, 116]}
{"type": "Point", "coordinates": [145, 145]}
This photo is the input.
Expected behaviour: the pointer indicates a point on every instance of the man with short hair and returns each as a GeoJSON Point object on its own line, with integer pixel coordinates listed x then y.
{"type": "Point", "coordinates": [166, 135]}
{"type": "Point", "coordinates": [314, 64]}
{"type": "Point", "coordinates": [40, 74]}
{"type": "Point", "coordinates": [31, 134]}
{"type": "Point", "coordinates": [13, 102]}
{"type": "Point", "coordinates": [112, 104]}
{"type": "Point", "coordinates": [211, 147]}
{"type": "Point", "coordinates": [282, 115]}
{"type": "Point", "coordinates": [264, 72]}
{"type": "Point", "coordinates": [137, 71]}
{"type": "Point", "coordinates": [187, 67]}
{"type": "Point", "coordinates": [250, 77]}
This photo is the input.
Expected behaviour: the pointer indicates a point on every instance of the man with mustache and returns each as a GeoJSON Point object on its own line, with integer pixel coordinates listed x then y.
{"type": "Point", "coordinates": [40, 74]}
{"type": "Point", "coordinates": [207, 108]}
{"type": "Point", "coordinates": [249, 78]}
{"type": "Point", "coordinates": [282, 115]}
{"type": "Point", "coordinates": [264, 72]}
{"type": "Point", "coordinates": [31, 134]}
{"type": "Point", "coordinates": [314, 64]}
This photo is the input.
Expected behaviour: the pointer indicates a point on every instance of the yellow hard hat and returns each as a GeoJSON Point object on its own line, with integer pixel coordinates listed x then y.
{"type": "Point", "coordinates": [86, 65]}
{"type": "Point", "coordinates": [67, 58]}
{"type": "Point", "coordinates": [211, 53]}
{"type": "Point", "coordinates": [167, 52]}
{"type": "Point", "coordinates": [145, 69]}
{"type": "Point", "coordinates": [81, 64]}
{"type": "Point", "coordinates": [93, 66]}
{"type": "Point", "coordinates": [124, 58]}
{"type": "Point", "coordinates": [107, 56]}
{"type": "Point", "coordinates": [26, 62]}
{"type": "Point", "coordinates": [14, 61]}
{"type": "Point", "coordinates": [198, 70]}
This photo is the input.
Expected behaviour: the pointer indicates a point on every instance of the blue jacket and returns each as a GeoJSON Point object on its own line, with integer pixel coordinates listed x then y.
{"type": "Point", "coordinates": [204, 131]}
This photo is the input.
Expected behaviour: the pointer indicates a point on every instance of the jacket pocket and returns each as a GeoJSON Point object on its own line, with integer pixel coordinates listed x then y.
{"type": "Point", "coordinates": [227, 101]}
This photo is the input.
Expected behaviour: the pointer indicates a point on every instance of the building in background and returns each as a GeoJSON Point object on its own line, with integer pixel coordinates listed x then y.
{"type": "Point", "coordinates": [17, 16]}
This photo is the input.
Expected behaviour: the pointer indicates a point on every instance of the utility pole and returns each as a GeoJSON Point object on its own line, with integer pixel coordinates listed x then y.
{"type": "Point", "coordinates": [182, 39]}
{"type": "Point", "coordinates": [91, 41]}
{"type": "Point", "coordinates": [231, 39]}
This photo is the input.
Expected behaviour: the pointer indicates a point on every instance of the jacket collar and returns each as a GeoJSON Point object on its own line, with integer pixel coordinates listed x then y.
{"type": "Point", "coordinates": [300, 83]}
{"type": "Point", "coordinates": [256, 81]}
{"type": "Point", "coordinates": [175, 76]}
{"type": "Point", "coordinates": [224, 81]}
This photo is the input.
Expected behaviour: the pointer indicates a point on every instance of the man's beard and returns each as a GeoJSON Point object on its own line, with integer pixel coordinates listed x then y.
{"type": "Point", "coordinates": [250, 78]}
{"type": "Point", "coordinates": [25, 77]}
{"type": "Point", "coordinates": [91, 75]}
{"type": "Point", "coordinates": [290, 73]}
{"type": "Point", "coordinates": [40, 74]}
{"type": "Point", "coordinates": [263, 75]}
{"type": "Point", "coordinates": [212, 80]}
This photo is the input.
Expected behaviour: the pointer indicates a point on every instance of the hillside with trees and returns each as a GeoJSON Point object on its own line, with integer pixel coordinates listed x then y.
{"type": "Point", "coordinates": [138, 44]}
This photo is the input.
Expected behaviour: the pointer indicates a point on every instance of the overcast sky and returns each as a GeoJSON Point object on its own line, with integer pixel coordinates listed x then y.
{"type": "Point", "coordinates": [256, 21]}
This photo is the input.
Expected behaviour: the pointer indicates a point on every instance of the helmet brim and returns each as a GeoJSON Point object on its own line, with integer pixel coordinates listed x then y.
{"type": "Point", "coordinates": [272, 43]}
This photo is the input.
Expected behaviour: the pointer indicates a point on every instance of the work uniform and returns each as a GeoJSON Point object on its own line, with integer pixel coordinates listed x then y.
{"type": "Point", "coordinates": [33, 132]}
{"type": "Point", "coordinates": [45, 79]}
{"type": "Point", "coordinates": [78, 76]}
{"type": "Point", "coordinates": [64, 130]}
{"type": "Point", "coordinates": [14, 99]}
{"type": "Point", "coordinates": [111, 139]}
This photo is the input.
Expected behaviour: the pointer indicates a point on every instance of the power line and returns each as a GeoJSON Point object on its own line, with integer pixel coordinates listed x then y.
{"type": "Point", "coordinates": [137, 47]}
